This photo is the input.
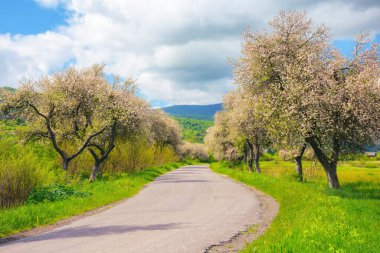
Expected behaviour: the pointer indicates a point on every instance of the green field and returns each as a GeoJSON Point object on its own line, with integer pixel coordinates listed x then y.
{"type": "Point", "coordinates": [312, 217]}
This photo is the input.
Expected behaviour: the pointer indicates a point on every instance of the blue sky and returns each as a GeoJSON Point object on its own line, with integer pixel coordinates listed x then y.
{"type": "Point", "coordinates": [347, 45]}
{"type": "Point", "coordinates": [177, 50]}
{"type": "Point", "coordinates": [28, 17]}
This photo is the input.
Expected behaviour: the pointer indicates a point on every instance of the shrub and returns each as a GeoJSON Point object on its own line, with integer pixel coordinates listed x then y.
{"type": "Point", "coordinates": [165, 155]}
{"type": "Point", "coordinates": [22, 169]}
{"type": "Point", "coordinates": [309, 154]}
{"type": "Point", "coordinates": [52, 193]}
{"type": "Point", "coordinates": [16, 181]}
{"type": "Point", "coordinates": [286, 155]}
{"type": "Point", "coordinates": [267, 156]}
{"type": "Point", "coordinates": [135, 155]}
{"type": "Point", "coordinates": [194, 151]}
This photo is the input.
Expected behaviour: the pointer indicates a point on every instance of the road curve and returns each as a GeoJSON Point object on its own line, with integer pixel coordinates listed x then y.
{"type": "Point", "coordinates": [186, 210]}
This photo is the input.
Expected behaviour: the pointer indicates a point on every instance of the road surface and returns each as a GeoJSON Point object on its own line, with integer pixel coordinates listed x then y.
{"type": "Point", "coordinates": [186, 210]}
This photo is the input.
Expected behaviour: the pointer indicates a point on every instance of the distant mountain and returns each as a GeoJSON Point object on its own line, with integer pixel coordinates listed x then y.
{"type": "Point", "coordinates": [203, 112]}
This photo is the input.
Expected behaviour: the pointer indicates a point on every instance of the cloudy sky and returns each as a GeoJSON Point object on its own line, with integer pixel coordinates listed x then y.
{"type": "Point", "coordinates": [176, 49]}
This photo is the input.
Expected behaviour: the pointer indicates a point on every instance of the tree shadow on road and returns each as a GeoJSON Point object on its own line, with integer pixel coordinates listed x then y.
{"type": "Point", "coordinates": [88, 231]}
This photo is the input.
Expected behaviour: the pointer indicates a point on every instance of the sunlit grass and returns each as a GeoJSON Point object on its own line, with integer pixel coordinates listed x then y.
{"type": "Point", "coordinates": [312, 217]}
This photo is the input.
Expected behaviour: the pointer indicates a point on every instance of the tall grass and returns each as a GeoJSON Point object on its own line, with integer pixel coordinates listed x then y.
{"type": "Point", "coordinates": [21, 169]}
{"type": "Point", "coordinates": [17, 179]}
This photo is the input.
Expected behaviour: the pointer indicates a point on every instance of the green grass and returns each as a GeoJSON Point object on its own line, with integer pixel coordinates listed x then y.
{"type": "Point", "coordinates": [103, 191]}
{"type": "Point", "coordinates": [312, 217]}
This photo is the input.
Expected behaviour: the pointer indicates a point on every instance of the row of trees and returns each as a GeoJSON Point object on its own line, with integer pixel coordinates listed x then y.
{"type": "Point", "coordinates": [295, 90]}
{"type": "Point", "coordinates": [78, 111]}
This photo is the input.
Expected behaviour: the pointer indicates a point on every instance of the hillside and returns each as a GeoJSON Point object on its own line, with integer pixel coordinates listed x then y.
{"type": "Point", "coordinates": [193, 130]}
{"type": "Point", "coordinates": [201, 112]}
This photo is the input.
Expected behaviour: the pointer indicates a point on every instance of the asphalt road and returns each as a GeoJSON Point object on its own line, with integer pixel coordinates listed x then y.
{"type": "Point", "coordinates": [186, 210]}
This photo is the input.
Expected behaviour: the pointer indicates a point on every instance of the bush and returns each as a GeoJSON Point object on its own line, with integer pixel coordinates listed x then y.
{"type": "Point", "coordinates": [52, 193]}
{"type": "Point", "coordinates": [267, 157]}
{"type": "Point", "coordinates": [194, 151]}
{"type": "Point", "coordinates": [309, 154]}
{"type": "Point", "coordinates": [16, 181]}
{"type": "Point", "coordinates": [21, 169]}
{"type": "Point", "coordinates": [135, 155]}
{"type": "Point", "coordinates": [286, 155]}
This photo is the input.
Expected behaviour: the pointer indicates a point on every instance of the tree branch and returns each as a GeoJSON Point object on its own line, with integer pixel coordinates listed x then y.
{"type": "Point", "coordinates": [86, 143]}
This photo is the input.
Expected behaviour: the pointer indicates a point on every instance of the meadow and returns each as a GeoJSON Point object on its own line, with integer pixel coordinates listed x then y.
{"type": "Point", "coordinates": [313, 217]}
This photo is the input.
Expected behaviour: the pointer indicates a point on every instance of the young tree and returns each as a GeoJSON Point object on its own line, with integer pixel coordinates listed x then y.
{"type": "Point", "coordinates": [286, 134]}
{"type": "Point", "coordinates": [248, 123]}
{"type": "Point", "coordinates": [218, 139]}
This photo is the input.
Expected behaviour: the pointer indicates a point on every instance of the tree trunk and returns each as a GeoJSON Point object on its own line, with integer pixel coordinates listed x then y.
{"type": "Point", "coordinates": [251, 156]}
{"type": "Point", "coordinates": [97, 162]}
{"type": "Point", "coordinates": [245, 158]}
{"type": "Point", "coordinates": [333, 177]}
{"type": "Point", "coordinates": [257, 164]}
{"type": "Point", "coordinates": [298, 160]}
{"type": "Point", "coordinates": [250, 163]}
{"type": "Point", "coordinates": [328, 166]}
{"type": "Point", "coordinates": [103, 153]}
{"type": "Point", "coordinates": [65, 162]}
{"type": "Point", "coordinates": [94, 171]}
{"type": "Point", "coordinates": [257, 158]}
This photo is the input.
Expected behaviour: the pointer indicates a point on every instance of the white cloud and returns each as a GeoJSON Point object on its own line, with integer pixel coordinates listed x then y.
{"type": "Point", "coordinates": [177, 50]}
{"type": "Point", "coordinates": [195, 93]}
{"type": "Point", "coordinates": [32, 56]}
{"type": "Point", "coordinates": [347, 20]}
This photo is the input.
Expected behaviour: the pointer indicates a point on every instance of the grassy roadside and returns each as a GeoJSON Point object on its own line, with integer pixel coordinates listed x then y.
{"type": "Point", "coordinates": [101, 192]}
{"type": "Point", "coordinates": [313, 218]}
